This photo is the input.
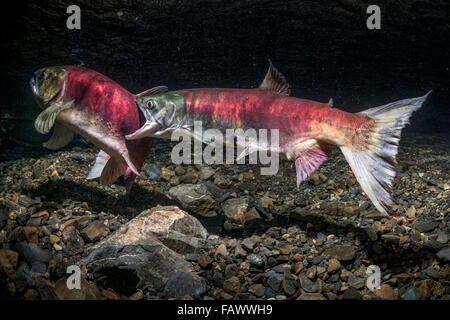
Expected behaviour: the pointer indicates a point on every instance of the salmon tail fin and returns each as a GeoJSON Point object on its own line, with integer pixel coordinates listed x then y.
{"type": "Point", "coordinates": [373, 163]}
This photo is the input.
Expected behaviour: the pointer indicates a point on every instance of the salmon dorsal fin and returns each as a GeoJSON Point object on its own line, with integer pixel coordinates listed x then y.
{"type": "Point", "coordinates": [331, 103]}
{"type": "Point", "coordinates": [152, 91]}
{"type": "Point", "coordinates": [275, 82]}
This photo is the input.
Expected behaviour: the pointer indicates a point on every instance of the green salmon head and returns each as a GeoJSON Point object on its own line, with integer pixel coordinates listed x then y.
{"type": "Point", "coordinates": [163, 113]}
{"type": "Point", "coordinates": [47, 84]}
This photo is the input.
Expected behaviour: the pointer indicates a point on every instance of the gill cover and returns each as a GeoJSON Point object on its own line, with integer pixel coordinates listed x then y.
{"type": "Point", "coordinates": [163, 113]}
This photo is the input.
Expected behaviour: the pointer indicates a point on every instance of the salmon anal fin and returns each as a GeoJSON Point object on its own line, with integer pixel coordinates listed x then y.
{"type": "Point", "coordinates": [275, 82]}
{"type": "Point", "coordinates": [152, 91]}
{"type": "Point", "coordinates": [99, 165]}
{"type": "Point", "coordinates": [308, 162]}
{"type": "Point", "coordinates": [112, 170]}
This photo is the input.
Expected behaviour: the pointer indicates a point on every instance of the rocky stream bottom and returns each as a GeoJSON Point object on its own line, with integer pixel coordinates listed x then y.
{"type": "Point", "coordinates": [223, 231]}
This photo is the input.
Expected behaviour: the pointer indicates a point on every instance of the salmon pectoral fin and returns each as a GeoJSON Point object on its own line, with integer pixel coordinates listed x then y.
{"type": "Point", "coordinates": [309, 161]}
{"type": "Point", "coordinates": [112, 170]}
{"type": "Point", "coordinates": [373, 162]}
{"type": "Point", "coordinates": [46, 119]}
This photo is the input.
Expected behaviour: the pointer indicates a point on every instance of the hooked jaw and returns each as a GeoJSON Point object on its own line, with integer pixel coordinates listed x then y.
{"type": "Point", "coordinates": [153, 127]}
{"type": "Point", "coordinates": [145, 131]}
{"type": "Point", "coordinates": [33, 86]}
{"type": "Point", "coordinates": [149, 127]}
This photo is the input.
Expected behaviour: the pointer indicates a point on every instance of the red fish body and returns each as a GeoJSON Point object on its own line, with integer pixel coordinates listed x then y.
{"type": "Point", "coordinates": [307, 129]}
{"type": "Point", "coordinates": [88, 103]}
{"type": "Point", "coordinates": [298, 120]}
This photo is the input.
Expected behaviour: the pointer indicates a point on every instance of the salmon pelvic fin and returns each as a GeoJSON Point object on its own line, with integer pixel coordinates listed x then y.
{"type": "Point", "coordinates": [309, 161]}
{"type": "Point", "coordinates": [373, 164]}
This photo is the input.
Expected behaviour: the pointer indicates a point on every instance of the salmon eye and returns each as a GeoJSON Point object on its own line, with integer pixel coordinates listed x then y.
{"type": "Point", "coordinates": [150, 105]}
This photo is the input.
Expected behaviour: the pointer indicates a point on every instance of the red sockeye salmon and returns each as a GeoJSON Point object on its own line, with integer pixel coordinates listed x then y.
{"type": "Point", "coordinates": [307, 129]}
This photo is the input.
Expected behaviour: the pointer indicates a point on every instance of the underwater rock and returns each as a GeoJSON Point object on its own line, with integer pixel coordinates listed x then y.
{"type": "Point", "coordinates": [251, 215]}
{"type": "Point", "coordinates": [206, 173]}
{"type": "Point", "coordinates": [308, 285]}
{"type": "Point", "coordinates": [172, 226]}
{"type": "Point", "coordinates": [266, 202]}
{"type": "Point", "coordinates": [386, 292]}
{"type": "Point", "coordinates": [311, 296]}
{"type": "Point", "coordinates": [153, 172]}
{"type": "Point", "coordinates": [356, 282]}
{"type": "Point", "coordinates": [204, 260]}
{"type": "Point", "coordinates": [235, 208]}
{"type": "Point", "coordinates": [232, 285]}
{"type": "Point", "coordinates": [93, 231]}
{"type": "Point", "coordinates": [140, 251]}
{"type": "Point", "coordinates": [35, 256]}
{"type": "Point", "coordinates": [182, 284]}
{"type": "Point", "coordinates": [444, 254]}
{"type": "Point", "coordinates": [411, 294]}
{"type": "Point", "coordinates": [59, 290]}
{"type": "Point", "coordinates": [8, 262]}
{"type": "Point", "coordinates": [195, 198]}
{"type": "Point", "coordinates": [289, 283]}
{"type": "Point", "coordinates": [426, 225]}
{"type": "Point", "coordinates": [352, 294]}
{"type": "Point", "coordinates": [257, 290]}
{"type": "Point", "coordinates": [124, 265]}
{"type": "Point", "coordinates": [3, 216]}
{"type": "Point", "coordinates": [72, 239]}
{"type": "Point", "coordinates": [342, 252]}
{"type": "Point", "coordinates": [87, 291]}
{"type": "Point", "coordinates": [333, 265]}
{"type": "Point", "coordinates": [429, 288]}
{"type": "Point", "coordinates": [166, 174]}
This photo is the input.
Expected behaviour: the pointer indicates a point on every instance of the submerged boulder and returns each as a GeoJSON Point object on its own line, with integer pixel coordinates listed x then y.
{"type": "Point", "coordinates": [144, 250]}
{"type": "Point", "coordinates": [195, 198]}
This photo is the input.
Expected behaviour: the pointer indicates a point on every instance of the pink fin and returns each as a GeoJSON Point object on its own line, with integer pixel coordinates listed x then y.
{"type": "Point", "coordinates": [309, 161]}
{"type": "Point", "coordinates": [129, 178]}
{"type": "Point", "coordinates": [112, 170]}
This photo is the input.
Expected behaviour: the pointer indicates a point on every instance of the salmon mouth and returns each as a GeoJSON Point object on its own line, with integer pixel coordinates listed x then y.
{"type": "Point", "coordinates": [33, 85]}
{"type": "Point", "coordinates": [154, 127]}
{"type": "Point", "coordinates": [150, 126]}
{"type": "Point", "coordinates": [147, 130]}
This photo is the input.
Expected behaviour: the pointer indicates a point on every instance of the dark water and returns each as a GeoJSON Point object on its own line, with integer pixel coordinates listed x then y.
{"type": "Point", "coordinates": [324, 50]}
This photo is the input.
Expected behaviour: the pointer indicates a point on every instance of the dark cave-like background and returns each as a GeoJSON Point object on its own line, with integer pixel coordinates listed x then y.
{"type": "Point", "coordinates": [322, 47]}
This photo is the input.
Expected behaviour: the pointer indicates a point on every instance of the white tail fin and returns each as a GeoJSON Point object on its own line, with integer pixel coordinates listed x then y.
{"type": "Point", "coordinates": [374, 166]}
